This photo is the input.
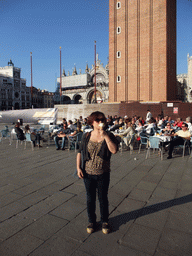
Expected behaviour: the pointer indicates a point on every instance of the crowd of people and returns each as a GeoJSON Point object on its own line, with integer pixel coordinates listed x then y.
{"type": "Point", "coordinates": [176, 131]}
{"type": "Point", "coordinates": [21, 134]}
{"type": "Point", "coordinates": [123, 128]}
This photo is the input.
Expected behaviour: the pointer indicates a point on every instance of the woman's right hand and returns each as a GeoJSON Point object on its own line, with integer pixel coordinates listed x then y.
{"type": "Point", "coordinates": [80, 173]}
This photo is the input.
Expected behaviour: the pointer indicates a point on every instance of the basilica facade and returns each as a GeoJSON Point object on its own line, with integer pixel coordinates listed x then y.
{"type": "Point", "coordinates": [79, 88]}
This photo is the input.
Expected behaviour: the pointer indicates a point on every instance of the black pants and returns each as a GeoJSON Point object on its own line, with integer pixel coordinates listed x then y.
{"type": "Point", "coordinates": [176, 141]}
{"type": "Point", "coordinates": [38, 138]}
{"type": "Point", "coordinates": [101, 184]}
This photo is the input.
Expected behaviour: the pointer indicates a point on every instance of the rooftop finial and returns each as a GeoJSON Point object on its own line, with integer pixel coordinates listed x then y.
{"type": "Point", "coordinates": [74, 71]}
{"type": "Point", "coordinates": [87, 68]}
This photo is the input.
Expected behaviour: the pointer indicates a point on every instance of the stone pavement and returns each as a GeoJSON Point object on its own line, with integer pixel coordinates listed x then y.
{"type": "Point", "coordinates": [43, 206]}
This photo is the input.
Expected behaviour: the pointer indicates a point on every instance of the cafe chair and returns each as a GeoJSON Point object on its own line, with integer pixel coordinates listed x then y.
{"type": "Point", "coordinates": [28, 139]}
{"type": "Point", "coordinates": [154, 143]}
{"type": "Point", "coordinates": [143, 141]}
{"type": "Point", "coordinates": [187, 144]}
{"type": "Point", "coordinates": [5, 134]}
{"type": "Point", "coordinates": [75, 141]}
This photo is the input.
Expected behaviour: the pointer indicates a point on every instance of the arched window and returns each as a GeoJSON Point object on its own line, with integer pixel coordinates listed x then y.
{"type": "Point", "coordinates": [118, 5]}
{"type": "Point", "coordinates": [118, 79]}
{"type": "Point", "coordinates": [118, 54]}
{"type": "Point", "coordinates": [118, 30]}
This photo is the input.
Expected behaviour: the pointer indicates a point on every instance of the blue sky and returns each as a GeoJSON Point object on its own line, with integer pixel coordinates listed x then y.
{"type": "Point", "coordinates": [41, 27]}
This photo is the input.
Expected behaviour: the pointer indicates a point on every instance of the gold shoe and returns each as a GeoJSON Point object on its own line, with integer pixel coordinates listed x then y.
{"type": "Point", "coordinates": [90, 228]}
{"type": "Point", "coordinates": [105, 228]}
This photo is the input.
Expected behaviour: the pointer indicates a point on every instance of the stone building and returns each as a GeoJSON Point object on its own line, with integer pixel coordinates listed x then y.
{"type": "Point", "coordinates": [142, 50]}
{"type": "Point", "coordinates": [184, 83]}
{"type": "Point", "coordinates": [14, 94]}
{"type": "Point", "coordinates": [79, 88]}
{"type": "Point", "coordinates": [42, 98]}
{"type": "Point", "coordinates": [189, 78]}
{"type": "Point", "coordinates": [182, 90]}
{"type": "Point", "coordinates": [48, 99]}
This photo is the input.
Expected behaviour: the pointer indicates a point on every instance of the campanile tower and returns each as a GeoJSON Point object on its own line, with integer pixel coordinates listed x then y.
{"type": "Point", "coordinates": [142, 50]}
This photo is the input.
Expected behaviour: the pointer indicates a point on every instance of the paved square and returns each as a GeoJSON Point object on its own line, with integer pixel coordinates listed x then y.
{"type": "Point", "coordinates": [43, 205]}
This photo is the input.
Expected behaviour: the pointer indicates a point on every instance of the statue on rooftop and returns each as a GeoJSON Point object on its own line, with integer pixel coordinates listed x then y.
{"type": "Point", "coordinates": [10, 63]}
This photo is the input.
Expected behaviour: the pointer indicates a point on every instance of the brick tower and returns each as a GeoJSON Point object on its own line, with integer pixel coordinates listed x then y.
{"type": "Point", "coordinates": [142, 50]}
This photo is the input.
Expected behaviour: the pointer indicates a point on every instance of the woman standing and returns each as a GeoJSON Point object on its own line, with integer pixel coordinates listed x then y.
{"type": "Point", "coordinates": [93, 166]}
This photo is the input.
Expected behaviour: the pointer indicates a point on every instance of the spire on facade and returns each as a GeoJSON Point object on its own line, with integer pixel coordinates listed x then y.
{"type": "Point", "coordinates": [87, 69]}
{"type": "Point", "coordinates": [74, 71]}
{"type": "Point", "coordinates": [64, 72]}
{"type": "Point", "coordinates": [68, 73]}
{"type": "Point", "coordinates": [107, 66]}
{"type": "Point", "coordinates": [97, 60]}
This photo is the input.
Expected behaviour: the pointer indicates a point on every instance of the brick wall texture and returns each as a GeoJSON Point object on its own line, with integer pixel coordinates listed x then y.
{"type": "Point", "coordinates": [147, 43]}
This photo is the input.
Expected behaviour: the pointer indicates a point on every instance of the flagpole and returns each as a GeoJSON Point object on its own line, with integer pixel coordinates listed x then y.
{"type": "Point", "coordinates": [31, 81]}
{"type": "Point", "coordinates": [60, 77]}
{"type": "Point", "coordinates": [95, 73]}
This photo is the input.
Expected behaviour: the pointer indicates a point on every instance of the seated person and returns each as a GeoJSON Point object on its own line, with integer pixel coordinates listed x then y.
{"type": "Point", "coordinates": [110, 121]}
{"type": "Point", "coordinates": [164, 123]}
{"type": "Point", "coordinates": [35, 137]}
{"type": "Point", "coordinates": [84, 122]}
{"type": "Point", "coordinates": [188, 121]}
{"type": "Point", "coordinates": [170, 120]}
{"type": "Point", "coordinates": [62, 136]}
{"type": "Point", "coordinates": [139, 128]}
{"type": "Point", "coordinates": [148, 129]}
{"type": "Point", "coordinates": [167, 130]}
{"type": "Point", "coordinates": [71, 126]}
{"type": "Point", "coordinates": [178, 123]}
{"type": "Point", "coordinates": [121, 123]}
{"type": "Point", "coordinates": [115, 126]}
{"type": "Point", "coordinates": [127, 134]}
{"type": "Point", "coordinates": [19, 132]}
{"type": "Point", "coordinates": [133, 125]}
{"type": "Point", "coordinates": [72, 136]}
{"type": "Point", "coordinates": [182, 135]}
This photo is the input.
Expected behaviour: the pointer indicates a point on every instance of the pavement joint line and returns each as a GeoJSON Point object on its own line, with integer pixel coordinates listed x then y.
{"type": "Point", "coordinates": [37, 204]}
{"type": "Point", "coordinates": [14, 215]}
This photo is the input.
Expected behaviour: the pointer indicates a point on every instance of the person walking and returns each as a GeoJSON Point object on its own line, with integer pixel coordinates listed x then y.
{"type": "Point", "coordinates": [93, 166]}
{"type": "Point", "coordinates": [148, 116]}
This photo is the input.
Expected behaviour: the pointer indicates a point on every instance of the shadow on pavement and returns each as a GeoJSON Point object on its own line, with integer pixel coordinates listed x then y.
{"type": "Point", "coordinates": [122, 219]}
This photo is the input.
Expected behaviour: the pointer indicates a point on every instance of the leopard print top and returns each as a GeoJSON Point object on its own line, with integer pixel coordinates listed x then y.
{"type": "Point", "coordinates": [96, 165]}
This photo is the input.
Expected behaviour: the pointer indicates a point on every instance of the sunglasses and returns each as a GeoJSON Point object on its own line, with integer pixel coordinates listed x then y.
{"type": "Point", "coordinates": [99, 119]}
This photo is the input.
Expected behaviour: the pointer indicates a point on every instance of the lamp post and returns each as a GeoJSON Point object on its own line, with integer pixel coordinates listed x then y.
{"type": "Point", "coordinates": [95, 73]}
{"type": "Point", "coordinates": [60, 76]}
